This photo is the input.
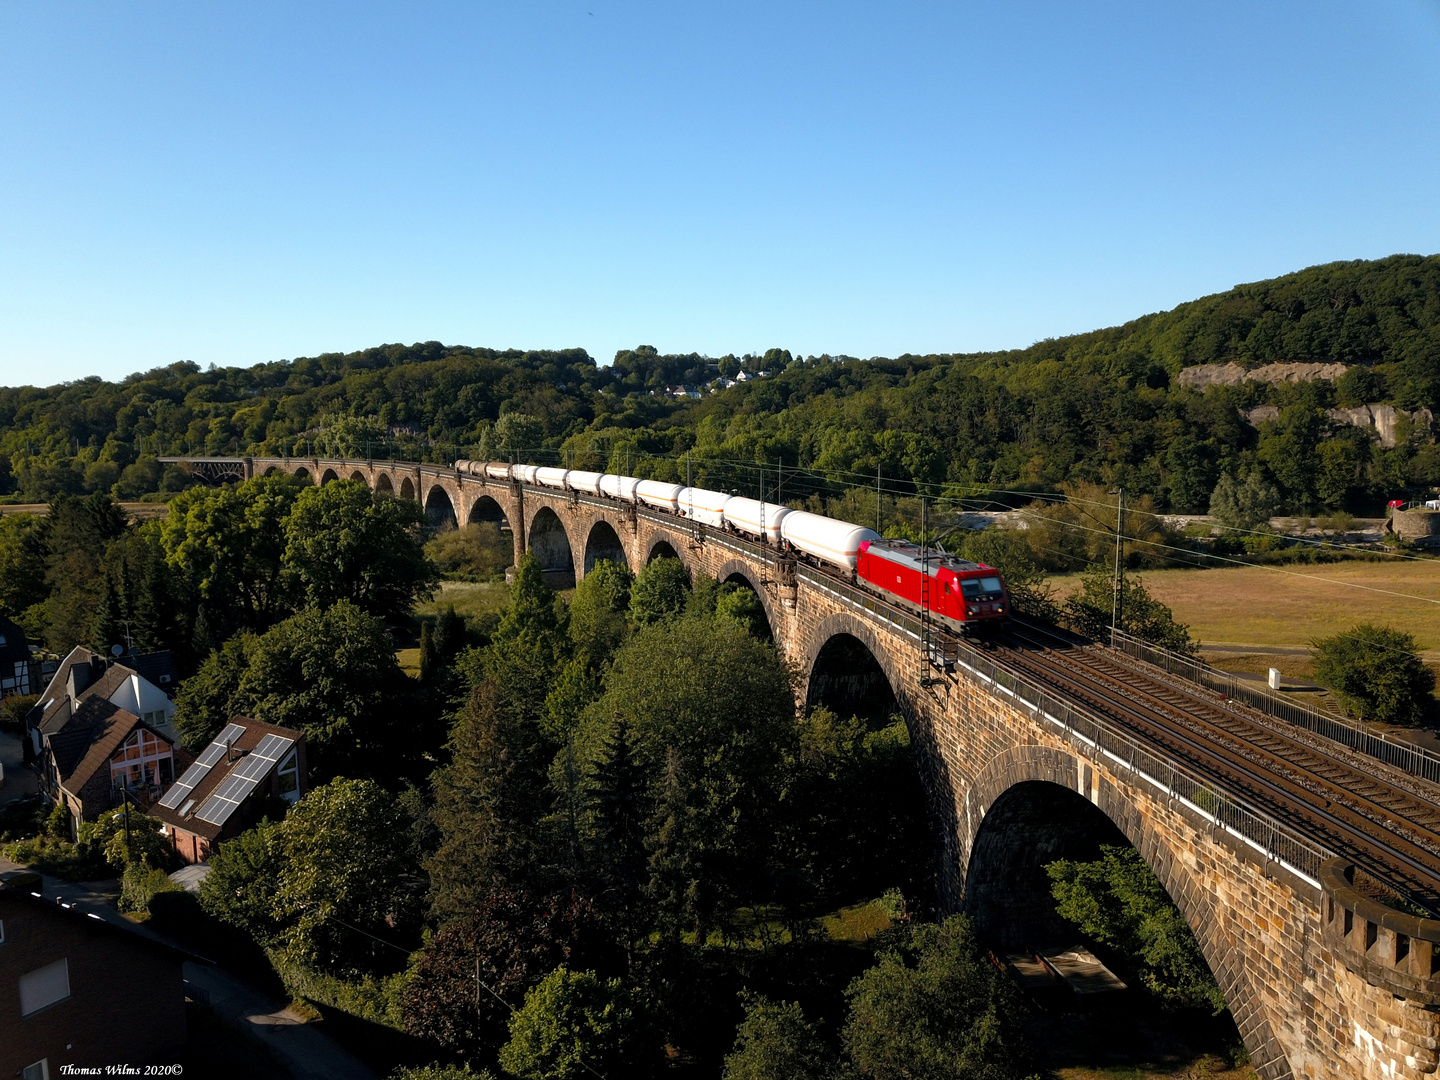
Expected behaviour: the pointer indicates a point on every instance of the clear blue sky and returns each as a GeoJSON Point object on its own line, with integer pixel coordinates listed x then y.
{"type": "Point", "coordinates": [232, 183]}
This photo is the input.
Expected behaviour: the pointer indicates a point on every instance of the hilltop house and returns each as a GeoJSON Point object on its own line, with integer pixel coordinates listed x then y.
{"type": "Point", "coordinates": [248, 769]}
{"type": "Point", "coordinates": [102, 725]}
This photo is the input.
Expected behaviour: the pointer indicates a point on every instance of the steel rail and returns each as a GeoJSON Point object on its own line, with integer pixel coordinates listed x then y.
{"type": "Point", "coordinates": [1398, 861]}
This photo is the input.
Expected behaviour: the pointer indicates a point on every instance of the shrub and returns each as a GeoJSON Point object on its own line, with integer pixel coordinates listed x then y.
{"type": "Point", "coordinates": [935, 1008]}
{"type": "Point", "coordinates": [140, 884]}
{"type": "Point", "coordinates": [776, 1042]}
{"type": "Point", "coordinates": [477, 552]}
{"type": "Point", "coordinates": [436, 1071]}
{"type": "Point", "coordinates": [1119, 902]}
{"type": "Point", "coordinates": [13, 710]}
{"type": "Point", "coordinates": [1377, 673]}
{"type": "Point", "coordinates": [574, 1025]}
{"type": "Point", "coordinates": [1090, 610]}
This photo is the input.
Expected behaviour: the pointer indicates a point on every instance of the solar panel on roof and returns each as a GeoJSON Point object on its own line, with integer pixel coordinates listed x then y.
{"type": "Point", "coordinates": [243, 779]}
{"type": "Point", "coordinates": [191, 777]}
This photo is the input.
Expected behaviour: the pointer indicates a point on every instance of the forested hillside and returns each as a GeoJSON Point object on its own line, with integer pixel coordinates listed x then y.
{"type": "Point", "coordinates": [1100, 407]}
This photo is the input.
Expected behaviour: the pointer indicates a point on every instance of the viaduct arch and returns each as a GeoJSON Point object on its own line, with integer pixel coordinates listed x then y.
{"type": "Point", "coordinates": [1009, 786]}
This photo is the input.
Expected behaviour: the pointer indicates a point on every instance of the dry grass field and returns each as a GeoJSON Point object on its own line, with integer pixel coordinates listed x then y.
{"type": "Point", "coordinates": [1293, 605]}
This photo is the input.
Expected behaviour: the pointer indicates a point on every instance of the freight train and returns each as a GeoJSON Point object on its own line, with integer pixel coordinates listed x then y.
{"type": "Point", "coordinates": [967, 597]}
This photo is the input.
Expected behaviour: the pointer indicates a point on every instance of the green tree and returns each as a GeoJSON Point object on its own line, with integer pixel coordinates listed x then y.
{"type": "Point", "coordinates": [597, 609]}
{"type": "Point", "coordinates": [530, 644]}
{"type": "Point", "coordinates": [711, 713]}
{"type": "Point", "coordinates": [344, 880]}
{"type": "Point", "coordinates": [351, 437]}
{"type": "Point", "coordinates": [741, 605]}
{"type": "Point", "coordinates": [228, 546]}
{"type": "Point", "coordinates": [517, 432]}
{"type": "Point", "coordinates": [450, 633]}
{"type": "Point", "coordinates": [510, 941]}
{"type": "Point", "coordinates": [77, 532]}
{"type": "Point", "coordinates": [660, 592]}
{"type": "Point", "coordinates": [429, 655]}
{"type": "Point", "coordinates": [330, 673]}
{"type": "Point", "coordinates": [573, 1025]}
{"type": "Point", "coordinates": [1247, 505]}
{"type": "Point", "coordinates": [208, 699]}
{"type": "Point", "coordinates": [478, 551]}
{"type": "Point", "coordinates": [1377, 672]}
{"type": "Point", "coordinates": [1009, 552]}
{"type": "Point", "coordinates": [1090, 611]}
{"type": "Point", "coordinates": [22, 563]}
{"type": "Point", "coordinates": [1119, 902]}
{"type": "Point", "coordinates": [489, 803]}
{"type": "Point", "coordinates": [934, 1008]}
{"type": "Point", "coordinates": [619, 795]}
{"type": "Point", "coordinates": [776, 1042]}
{"type": "Point", "coordinates": [345, 542]}
{"type": "Point", "coordinates": [244, 874]}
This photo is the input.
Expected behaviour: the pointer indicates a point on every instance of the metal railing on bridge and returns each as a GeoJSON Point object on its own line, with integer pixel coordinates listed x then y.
{"type": "Point", "coordinates": [1098, 738]}
{"type": "Point", "coordinates": [1413, 759]}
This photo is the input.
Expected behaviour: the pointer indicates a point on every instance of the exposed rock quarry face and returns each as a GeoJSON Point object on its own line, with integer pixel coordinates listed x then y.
{"type": "Point", "coordinates": [1381, 419]}
{"type": "Point", "coordinates": [1232, 374]}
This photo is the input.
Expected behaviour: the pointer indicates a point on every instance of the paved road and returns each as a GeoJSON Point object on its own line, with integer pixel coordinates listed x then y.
{"type": "Point", "coordinates": [304, 1049]}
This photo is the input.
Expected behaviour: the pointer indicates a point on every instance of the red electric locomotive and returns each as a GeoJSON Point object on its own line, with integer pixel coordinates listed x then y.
{"type": "Point", "coordinates": [965, 596]}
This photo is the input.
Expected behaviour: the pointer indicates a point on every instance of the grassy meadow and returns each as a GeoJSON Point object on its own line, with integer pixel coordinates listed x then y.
{"type": "Point", "coordinates": [1291, 606]}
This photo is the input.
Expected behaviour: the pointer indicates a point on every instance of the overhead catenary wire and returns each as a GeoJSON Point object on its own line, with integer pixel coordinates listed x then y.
{"type": "Point", "coordinates": [759, 469]}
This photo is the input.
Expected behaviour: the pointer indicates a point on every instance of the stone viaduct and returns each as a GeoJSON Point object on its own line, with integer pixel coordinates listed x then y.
{"type": "Point", "coordinates": [1322, 981]}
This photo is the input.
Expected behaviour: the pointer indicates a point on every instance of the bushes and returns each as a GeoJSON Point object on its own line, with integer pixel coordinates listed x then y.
{"type": "Point", "coordinates": [1118, 901]}
{"type": "Point", "coordinates": [476, 552]}
{"type": "Point", "coordinates": [140, 884]}
{"type": "Point", "coordinates": [1090, 610]}
{"type": "Point", "coordinates": [573, 1025]}
{"type": "Point", "coordinates": [1377, 673]}
{"type": "Point", "coordinates": [377, 999]}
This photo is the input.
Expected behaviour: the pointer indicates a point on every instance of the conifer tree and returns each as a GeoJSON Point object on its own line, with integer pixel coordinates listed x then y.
{"type": "Point", "coordinates": [619, 801]}
{"type": "Point", "coordinates": [429, 654]}
{"type": "Point", "coordinates": [489, 803]}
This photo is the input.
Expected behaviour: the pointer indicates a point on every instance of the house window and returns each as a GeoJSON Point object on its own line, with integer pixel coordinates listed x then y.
{"type": "Point", "coordinates": [288, 777]}
{"type": "Point", "coordinates": [39, 1071]}
{"type": "Point", "coordinates": [2, 931]}
{"type": "Point", "coordinates": [144, 759]}
{"type": "Point", "coordinates": [44, 986]}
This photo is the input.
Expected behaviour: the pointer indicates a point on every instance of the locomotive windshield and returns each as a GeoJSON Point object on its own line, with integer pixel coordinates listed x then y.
{"type": "Point", "coordinates": [985, 588]}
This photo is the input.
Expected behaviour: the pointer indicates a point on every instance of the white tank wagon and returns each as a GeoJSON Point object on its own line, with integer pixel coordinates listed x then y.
{"type": "Point", "coordinates": [619, 487]}
{"type": "Point", "coordinates": [495, 470]}
{"type": "Point", "coordinates": [831, 541]}
{"type": "Point", "coordinates": [756, 518]}
{"type": "Point", "coordinates": [588, 482]}
{"type": "Point", "coordinates": [659, 494]}
{"type": "Point", "coordinates": [704, 506]}
{"type": "Point", "coordinates": [550, 477]}
{"type": "Point", "coordinates": [526, 474]}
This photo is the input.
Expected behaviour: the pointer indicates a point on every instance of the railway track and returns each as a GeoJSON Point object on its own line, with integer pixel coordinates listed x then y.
{"type": "Point", "coordinates": [1392, 832]}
